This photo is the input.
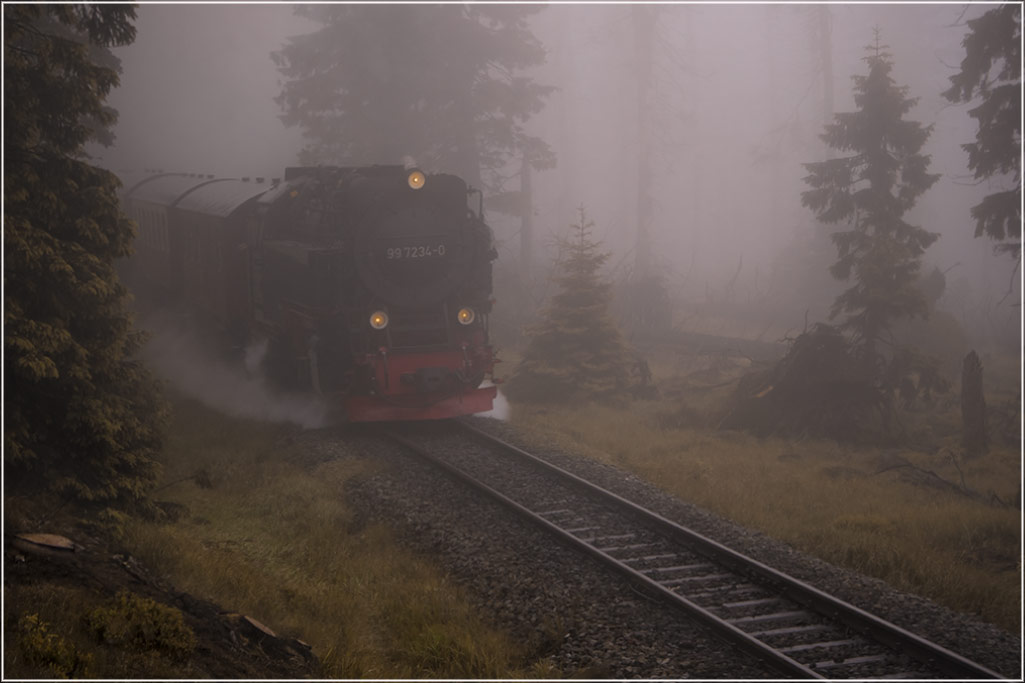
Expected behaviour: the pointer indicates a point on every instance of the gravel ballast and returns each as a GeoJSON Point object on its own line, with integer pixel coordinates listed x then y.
{"type": "Point", "coordinates": [588, 621]}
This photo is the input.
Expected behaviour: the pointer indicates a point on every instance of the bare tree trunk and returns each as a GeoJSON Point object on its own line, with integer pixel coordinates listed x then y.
{"type": "Point", "coordinates": [643, 18]}
{"type": "Point", "coordinates": [526, 221]}
{"type": "Point", "coordinates": [973, 406]}
{"type": "Point", "coordinates": [824, 24]}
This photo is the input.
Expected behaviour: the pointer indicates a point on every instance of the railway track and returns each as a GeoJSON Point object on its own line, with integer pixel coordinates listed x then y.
{"type": "Point", "coordinates": [794, 628]}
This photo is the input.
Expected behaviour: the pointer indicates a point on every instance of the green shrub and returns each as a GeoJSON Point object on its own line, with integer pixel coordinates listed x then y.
{"type": "Point", "coordinates": [131, 621]}
{"type": "Point", "coordinates": [46, 650]}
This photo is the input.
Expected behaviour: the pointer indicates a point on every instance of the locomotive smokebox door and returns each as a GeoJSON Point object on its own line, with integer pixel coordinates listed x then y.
{"type": "Point", "coordinates": [417, 249]}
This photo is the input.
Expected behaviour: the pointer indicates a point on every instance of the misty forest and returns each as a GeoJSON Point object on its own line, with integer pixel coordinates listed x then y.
{"type": "Point", "coordinates": [766, 257]}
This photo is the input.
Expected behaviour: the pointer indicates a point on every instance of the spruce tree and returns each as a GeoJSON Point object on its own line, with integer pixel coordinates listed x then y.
{"type": "Point", "coordinates": [869, 191]}
{"type": "Point", "coordinates": [81, 416]}
{"type": "Point", "coordinates": [991, 72]}
{"type": "Point", "coordinates": [575, 351]}
{"type": "Point", "coordinates": [442, 84]}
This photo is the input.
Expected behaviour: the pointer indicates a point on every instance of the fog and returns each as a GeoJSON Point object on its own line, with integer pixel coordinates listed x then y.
{"type": "Point", "coordinates": [736, 106]}
{"type": "Point", "coordinates": [182, 356]}
{"type": "Point", "coordinates": [197, 89]}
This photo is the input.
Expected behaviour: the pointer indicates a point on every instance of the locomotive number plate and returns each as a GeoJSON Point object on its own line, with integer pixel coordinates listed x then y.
{"type": "Point", "coordinates": [419, 251]}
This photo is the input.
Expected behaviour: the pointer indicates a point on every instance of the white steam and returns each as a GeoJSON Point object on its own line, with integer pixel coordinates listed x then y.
{"type": "Point", "coordinates": [177, 353]}
{"type": "Point", "coordinates": [500, 409]}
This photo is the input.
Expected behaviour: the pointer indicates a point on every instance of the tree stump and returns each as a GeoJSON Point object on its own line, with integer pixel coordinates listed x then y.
{"type": "Point", "coordinates": [973, 406]}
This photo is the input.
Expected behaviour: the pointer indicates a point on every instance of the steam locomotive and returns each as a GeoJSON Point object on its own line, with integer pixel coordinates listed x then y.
{"type": "Point", "coordinates": [369, 285]}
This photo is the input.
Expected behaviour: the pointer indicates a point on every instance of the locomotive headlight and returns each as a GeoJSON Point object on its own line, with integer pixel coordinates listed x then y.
{"type": "Point", "coordinates": [416, 179]}
{"type": "Point", "coordinates": [465, 316]}
{"type": "Point", "coordinates": [379, 320]}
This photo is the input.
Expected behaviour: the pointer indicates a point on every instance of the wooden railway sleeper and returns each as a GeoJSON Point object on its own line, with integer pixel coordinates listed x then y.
{"type": "Point", "coordinates": [685, 580]}
{"type": "Point", "coordinates": [853, 661]}
{"type": "Point", "coordinates": [650, 558]}
{"type": "Point", "coordinates": [554, 512]}
{"type": "Point", "coordinates": [757, 602]}
{"type": "Point", "coordinates": [819, 645]}
{"type": "Point", "coordinates": [580, 529]}
{"type": "Point", "coordinates": [716, 593]}
{"type": "Point", "coordinates": [625, 537]}
{"type": "Point", "coordinates": [700, 566]}
{"type": "Point", "coordinates": [775, 616]}
{"type": "Point", "coordinates": [790, 630]}
{"type": "Point", "coordinates": [616, 549]}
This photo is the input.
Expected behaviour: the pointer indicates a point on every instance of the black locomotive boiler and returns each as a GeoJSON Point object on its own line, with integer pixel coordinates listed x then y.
{"type": "Point", "coordinates": [370, 285]}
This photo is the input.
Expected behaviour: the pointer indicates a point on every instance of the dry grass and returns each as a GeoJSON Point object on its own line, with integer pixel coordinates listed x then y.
{"type": "Point", "coordinates": [872, 510]}
{"type": "Point", "coordinates": [274, 539]}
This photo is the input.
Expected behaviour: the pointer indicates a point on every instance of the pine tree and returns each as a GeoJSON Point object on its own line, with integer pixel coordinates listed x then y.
{"type": "Point", "coordinates": [80, 413]}
{"type": "Point", "coordinates": [991, 71]}
{"type": "Point", "coordinates": [869, 191]}
{"type": "Point", "coordinates": [576, 350]}
{"type": "Point", "coordinates": [438, 83]}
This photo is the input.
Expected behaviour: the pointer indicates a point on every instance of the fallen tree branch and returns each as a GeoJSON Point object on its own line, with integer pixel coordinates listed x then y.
{"type": "Point", "coordinates": [930, 478]}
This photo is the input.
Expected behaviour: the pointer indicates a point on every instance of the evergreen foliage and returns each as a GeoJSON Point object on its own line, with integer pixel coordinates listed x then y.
{"type": "Point", "coordinates": [575, 351]}
{"type": "Point", "coordinates": [870, 190]}
{"type": "Point", "coordinates": [78, 410]}
{"type": "Point", "coordinates": [991, 71]}
{"type": "Point", "coordinates": [440, 84]}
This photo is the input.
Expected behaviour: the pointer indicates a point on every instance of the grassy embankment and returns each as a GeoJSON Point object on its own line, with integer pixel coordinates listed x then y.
{"type": "Point", "coordinates": [274, 538]}
{"type": "Point", "coordinates": [870, 509]}
{"type": "Point", "coordinates": [268, 534]}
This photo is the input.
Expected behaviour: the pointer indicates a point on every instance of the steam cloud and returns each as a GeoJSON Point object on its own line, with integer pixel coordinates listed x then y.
{"type": "Point", "coordinates": [500, 410]}
{"type": "Point", "coordinates": [177, 353]}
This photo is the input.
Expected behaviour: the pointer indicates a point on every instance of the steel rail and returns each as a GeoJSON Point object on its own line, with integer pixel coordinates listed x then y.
{"type": "Point", "coordinates": [868, 625]}
{"type": "Point", "coordinates": [777, 660]}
